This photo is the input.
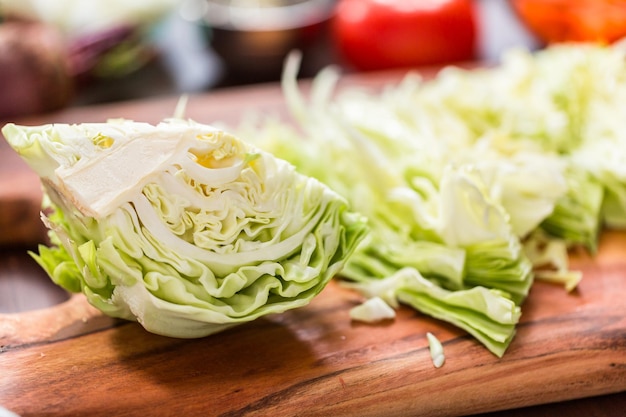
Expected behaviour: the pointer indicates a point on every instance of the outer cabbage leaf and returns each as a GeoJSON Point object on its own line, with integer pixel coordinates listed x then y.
{"type": "Point", "coordinates": [487, 314]}
{"type": "Point", "coordinates": [577, 216]}
{"type": "Point", "coordinates": [605, 162]}
{"type": "Point", "coordinates": [182, 227]}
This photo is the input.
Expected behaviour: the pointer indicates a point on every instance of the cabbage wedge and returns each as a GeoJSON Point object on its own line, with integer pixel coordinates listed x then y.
{"type": "Point", "coordinates": [180, 226]}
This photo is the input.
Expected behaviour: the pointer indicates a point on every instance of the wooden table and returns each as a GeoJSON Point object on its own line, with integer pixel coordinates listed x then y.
{"type": "Point", "coordinates": [58, 356]}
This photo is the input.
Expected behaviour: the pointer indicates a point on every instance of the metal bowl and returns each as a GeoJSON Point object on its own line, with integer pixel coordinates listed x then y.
{"type": "Point", "coordinates": [253, 37]}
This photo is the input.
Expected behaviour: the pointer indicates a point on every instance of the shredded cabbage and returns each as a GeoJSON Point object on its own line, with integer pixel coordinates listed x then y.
{"type": "Point", "coordinates": [456, 175]}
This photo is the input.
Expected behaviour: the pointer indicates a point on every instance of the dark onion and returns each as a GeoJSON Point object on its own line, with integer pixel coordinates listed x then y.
{"type": "Point", "coordinates": [34, 74]}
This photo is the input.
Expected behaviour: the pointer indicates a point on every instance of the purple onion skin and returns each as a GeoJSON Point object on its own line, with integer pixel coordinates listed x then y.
{"type": "Point", "coordinates": [85, 51]}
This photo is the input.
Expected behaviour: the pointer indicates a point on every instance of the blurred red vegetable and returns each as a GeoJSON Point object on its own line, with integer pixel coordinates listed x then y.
{"type": "Point", "coordinates": [580, 20]}
{"type": "Point", "coordinates": [380, 34]}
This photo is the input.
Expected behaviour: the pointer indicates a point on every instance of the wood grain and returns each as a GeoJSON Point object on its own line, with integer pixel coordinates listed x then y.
{"type": "Point", "coordinates": [71, 360]}
{"type": "Point", "coordinates": [316, 361]}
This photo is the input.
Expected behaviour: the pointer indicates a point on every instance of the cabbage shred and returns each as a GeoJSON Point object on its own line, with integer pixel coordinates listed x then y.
{"type": "Point", "coordinates": [458, 175]}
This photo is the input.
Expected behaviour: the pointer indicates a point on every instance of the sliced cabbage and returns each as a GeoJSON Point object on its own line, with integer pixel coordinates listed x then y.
{"type": "Point", "coordinates": [436, 350]}
{"type": "Point", "coordinates": [458, 174]}
{"type": "Point", "coordinates": [550, 258]}
{"type": "Point", "coordinates": [487, 314]}
{"type": "Point", "coordinates": [372, 310]}
{"type": "Point", "coordinates": [180, 226]}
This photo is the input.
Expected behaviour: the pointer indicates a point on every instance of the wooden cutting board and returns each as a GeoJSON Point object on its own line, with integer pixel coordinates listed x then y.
{"type": "Point", "coordinates": [69, 359]}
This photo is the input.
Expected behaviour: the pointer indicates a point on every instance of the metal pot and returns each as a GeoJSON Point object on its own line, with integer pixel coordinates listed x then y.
{"type": "Point", "coordinates": [253, 37]}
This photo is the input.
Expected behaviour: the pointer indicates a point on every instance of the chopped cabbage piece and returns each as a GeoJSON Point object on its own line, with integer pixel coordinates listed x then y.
{"type": "Point", "coordinates": [436, 350]}
{"type": "Point", "coordinates": [373, 310]}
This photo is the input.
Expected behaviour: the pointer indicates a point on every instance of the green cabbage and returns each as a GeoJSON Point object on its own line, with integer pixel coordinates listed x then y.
{"type": "Point", "coordinates": [182, 227]}
{"type": "Point", "coordinates": [463, 175]}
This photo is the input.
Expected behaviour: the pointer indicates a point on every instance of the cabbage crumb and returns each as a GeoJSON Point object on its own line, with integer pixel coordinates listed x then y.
{"type": "Point", "coordinates": [372, 310]}
{"type": "Point", "coordinates": [436, 350]}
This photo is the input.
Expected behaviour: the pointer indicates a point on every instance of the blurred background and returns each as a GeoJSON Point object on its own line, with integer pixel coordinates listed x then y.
{"type": "Point", "coordinates": [59, 53]}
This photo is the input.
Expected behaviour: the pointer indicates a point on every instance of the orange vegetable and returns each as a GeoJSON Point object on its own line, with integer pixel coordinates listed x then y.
{"type": "Point", "coordinates": [574, 20]}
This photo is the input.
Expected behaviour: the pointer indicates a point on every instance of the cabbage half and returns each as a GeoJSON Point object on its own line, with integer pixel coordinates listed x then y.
{"type": "Point", "coordinates": [180, 226]}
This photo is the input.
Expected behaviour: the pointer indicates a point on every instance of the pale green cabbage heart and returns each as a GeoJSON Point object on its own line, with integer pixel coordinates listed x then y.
{"type": "Point", "coordinates": [180, 226]}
